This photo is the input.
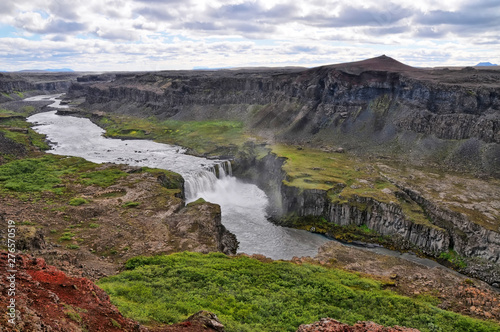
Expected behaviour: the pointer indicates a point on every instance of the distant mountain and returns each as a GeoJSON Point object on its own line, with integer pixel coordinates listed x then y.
{"type": "Point", "coordinates": [485, 64]}
{"type": "Point", "coordinates": [47, 70]}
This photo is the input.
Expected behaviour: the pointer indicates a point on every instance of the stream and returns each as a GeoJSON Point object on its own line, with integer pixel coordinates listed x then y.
{"type": "Point", "coordinates": [243, 205]}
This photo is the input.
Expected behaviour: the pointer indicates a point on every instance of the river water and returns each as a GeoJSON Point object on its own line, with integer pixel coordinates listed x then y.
{"type": "Point", "coordinates": [243, 205]}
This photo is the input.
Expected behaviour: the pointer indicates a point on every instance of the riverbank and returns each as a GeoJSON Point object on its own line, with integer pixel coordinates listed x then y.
{"type": "Point", "coordinates": [353, 199]}
{"type": "Point", "coordinates": [71, 233]}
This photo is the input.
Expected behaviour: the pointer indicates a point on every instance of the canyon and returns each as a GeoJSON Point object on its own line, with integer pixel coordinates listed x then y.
{"type": "Point", "coordinates": [418, 149]}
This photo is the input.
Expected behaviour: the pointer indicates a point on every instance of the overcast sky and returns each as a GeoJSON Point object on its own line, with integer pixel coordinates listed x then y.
{"type": "Point", "coordinates": [98, 35]}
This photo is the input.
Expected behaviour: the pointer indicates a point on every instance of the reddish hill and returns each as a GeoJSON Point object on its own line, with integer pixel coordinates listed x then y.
{"type": "Point", "coordinates": [332, 325]}
{"type": "Point", "coordinates": [46, 299]}
{"type": "Point", "coordinates": [380, 63]}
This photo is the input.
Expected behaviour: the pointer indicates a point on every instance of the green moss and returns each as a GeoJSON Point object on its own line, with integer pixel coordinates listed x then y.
{"type": "Point", "coordinates": [103, 178]}
{"type": "Point", "coordinates": [73, 246]}
{"type": "Point", "coordinates": [197, 202]}
{"type": "Point", "coordinates": [201, 137]}
{"type": "Point", "coordinates": [77, 201]}
{"type": "Point", "coordinates": [19, 94]}
{"type": "Point", "coordinates": [454, 258]}
{"type": "Point", "coordinates": [131, 204]}
{"type": "Point", "coordinates": [115, 323]}
{"type": "Point", "coordinates": [67, 236]}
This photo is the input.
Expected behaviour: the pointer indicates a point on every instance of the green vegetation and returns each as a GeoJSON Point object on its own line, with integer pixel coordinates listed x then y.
{"type": "Point", "coordinates": [250, 295]}
{"type": "Point", "coordinates": [19, 94]}
{"type": "Point", "coordinates": [93, 225]}
{"type": "Point", "coordinates": [454, 258]}
{"type": "Point", "coordinates": [346, 180]}
{"type": "Point", "coordinates": [315, 169]}
{"type": "Point", "coordinates": [197, 202]}
{"type": "Point", "coordinates": [77, 201]}
{"type": "Point", "coordinates": [115, 323]}
{"type": "Point", "coordinates": [51, 173]}
{"type": "Point", "coordinates": [103, 178]}
{"type": "Point", "coordinates": [201, 137]}
{"type": "Point", "coordinates": [131, 204]}
{"type": "Point", "coordinates": [67, 236]}
{"type": "Point", "coordinates": [72, 246]}
{"type": "Point", "coordinates": [73, 312]}
{"type": "Point", "coordinates": [31, 175]}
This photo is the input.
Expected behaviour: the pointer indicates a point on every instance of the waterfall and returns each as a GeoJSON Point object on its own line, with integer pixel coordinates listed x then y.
{"type": "Point", "coordinates": [205, 180]}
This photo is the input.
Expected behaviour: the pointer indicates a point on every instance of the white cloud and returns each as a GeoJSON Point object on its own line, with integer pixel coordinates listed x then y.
{"type": "Point", "coordinates": [181, 34]}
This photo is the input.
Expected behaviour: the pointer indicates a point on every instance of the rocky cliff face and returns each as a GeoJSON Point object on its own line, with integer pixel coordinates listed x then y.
{"type": "Point", "coordinates": [448, 230]}
{"type": "Point", "coordinates": [378, 105]}
{"type": "Point", "coordinates": [385, 219]}
{"type": "Point", "coordinates": [33, 83]}
{"type": "Point", "coordinates": [49, 300]}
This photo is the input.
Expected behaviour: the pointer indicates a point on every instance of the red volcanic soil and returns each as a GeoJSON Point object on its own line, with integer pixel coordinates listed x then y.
{"type": "Point", "coordinates": [46, 299]}
{"type": "Point", "coordinates": [332, 325]}
{"type": "Point", "coordinates": [381, 63]}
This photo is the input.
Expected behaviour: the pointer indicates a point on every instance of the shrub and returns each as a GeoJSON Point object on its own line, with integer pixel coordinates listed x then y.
{"type": "Point", "coordinates": [131, 204]}
{"type": "Point", "coordinates": [250, 295]}
{"type": "Point", "coordinates": [77, 201]}
{"type": "Point", "coordinates": [66, 236]}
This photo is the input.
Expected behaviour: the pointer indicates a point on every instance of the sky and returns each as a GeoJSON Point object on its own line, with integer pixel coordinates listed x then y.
{"type": "Point", "coordinates": [136, 35]}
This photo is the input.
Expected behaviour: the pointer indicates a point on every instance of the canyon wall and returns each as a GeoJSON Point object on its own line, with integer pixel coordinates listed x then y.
{"type": "Point", "coordinates": [445, 230]}
{"type": "Point", "coordinates": [377, 107]}
{"type": "Point", "coordinates": [14, 86]}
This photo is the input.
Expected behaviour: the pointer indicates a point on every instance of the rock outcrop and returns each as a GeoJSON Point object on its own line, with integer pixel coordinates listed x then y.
{"type": "Point", "coordinates": [373, 106]}
{"type": "Point", "coordinates": [46, 299]}
{"type": "Point", "coordinates": [332, 325]}
{"type": "Point", "coordinates": [13, 84]}
{"type": "Point", "coordinates": [448, 230]}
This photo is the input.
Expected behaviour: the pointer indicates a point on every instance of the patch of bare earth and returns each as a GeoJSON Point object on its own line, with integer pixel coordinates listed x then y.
{"type": "Point", "coordinates": [446, 288]}
{"type": "Point", "coordinates": [48, 300]}
{"type": "Point", "coordinates": [135, 216]}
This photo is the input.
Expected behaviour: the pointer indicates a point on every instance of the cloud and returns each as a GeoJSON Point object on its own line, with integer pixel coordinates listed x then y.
{"type": "Point", "coordinates": [34, 22]}
{"type": "Point", "coordinates": [382, 31]}
{"type": "Point", "coordinates": [117, 34]}
{"type": "Point", "coordinates": [358, 16]}
{"type": "Point", "coordinates": [163, 34]}
{"type": "Point", "coordinates": [429, 32]}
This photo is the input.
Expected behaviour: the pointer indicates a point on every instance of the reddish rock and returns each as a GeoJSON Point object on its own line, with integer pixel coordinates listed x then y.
{"type": "Point", "coordinates": [332, 325]}
{"type": "Point", "coordinates": [46, 299]}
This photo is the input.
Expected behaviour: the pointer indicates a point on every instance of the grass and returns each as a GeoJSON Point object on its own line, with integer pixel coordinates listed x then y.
{"type": "Point", "coordinates": [102, 178]}
{"type": "Point", "coordinates": [67, 236]}
{"type": "Point", "coordinates": [131, 204]}
{"type": "Point", "coordinates": [345, 178]}
{"type": "Point", "coordinates": [51, 173]}
{"type": "Point", "coordinates": [201, 137]}
{"type": "Point", "coordinates": [250, 295]}
{"type": "Point", "coordinates": [454, 258]}
{"type": "Point", "coordinates": [76, 201]}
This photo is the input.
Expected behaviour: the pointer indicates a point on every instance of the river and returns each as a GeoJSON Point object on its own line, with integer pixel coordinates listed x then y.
{"type": "Point", "coordinates": [243, 205]}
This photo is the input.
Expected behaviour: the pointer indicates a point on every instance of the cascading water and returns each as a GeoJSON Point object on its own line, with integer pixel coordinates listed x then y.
{"type": "Point", "coordinates": [205, 180]}
{"type": "Point", "coordinates": [243, 205]}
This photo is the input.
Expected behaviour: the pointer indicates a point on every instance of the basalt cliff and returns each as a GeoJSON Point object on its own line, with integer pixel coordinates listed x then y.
{"type": "Point", "coordinates": [376, 107]}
